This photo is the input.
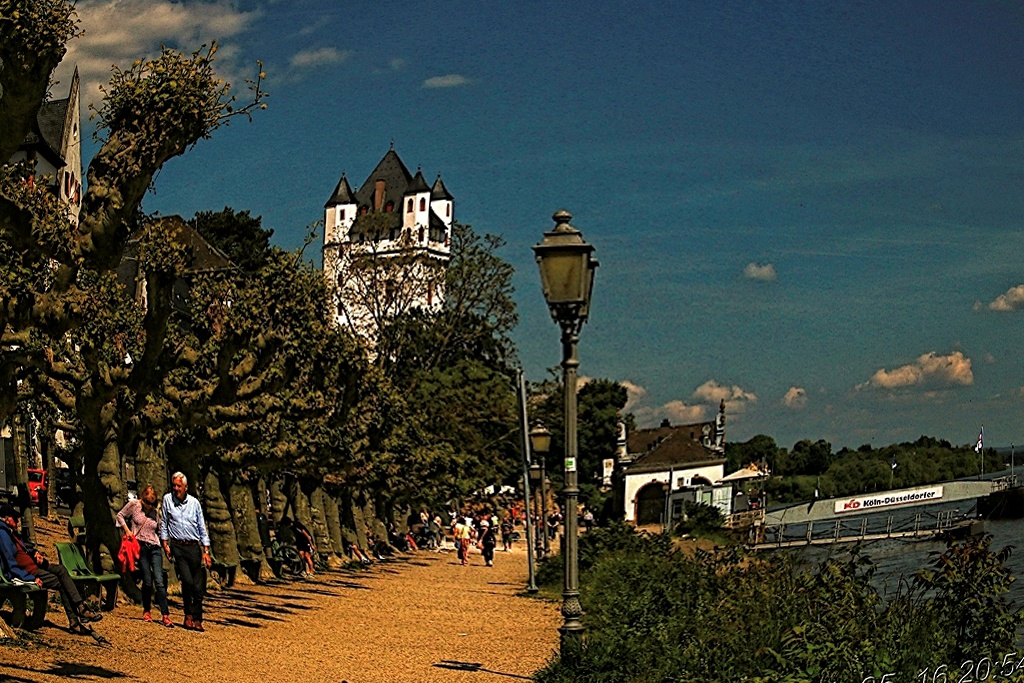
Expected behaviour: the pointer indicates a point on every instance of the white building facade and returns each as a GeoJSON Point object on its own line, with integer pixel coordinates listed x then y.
{"type": "Point", "coordinates": [386, 245]}
{"type": "Point", "coordinates": [54, 148]}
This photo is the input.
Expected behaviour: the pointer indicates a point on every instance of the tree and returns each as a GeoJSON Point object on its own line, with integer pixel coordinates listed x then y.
{"type": "Point", "coordinates": [443, 420]}
{"type": "Point", "coordinates": [240, 236]}
{"type": "Point", "coordinates": [57, 280]}
{"type": "Point", "coordinates": [599, 410]}
{"type": "Point", "coordinates": [756, 450]}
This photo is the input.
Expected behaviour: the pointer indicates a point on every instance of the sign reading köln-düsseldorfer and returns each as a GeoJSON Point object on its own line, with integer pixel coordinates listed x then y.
{"type": "Point", "coordinates": [890, 499]}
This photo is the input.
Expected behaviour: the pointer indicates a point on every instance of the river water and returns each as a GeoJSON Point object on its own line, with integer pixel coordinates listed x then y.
{"type": "Point", "coordinates": [898, 559]}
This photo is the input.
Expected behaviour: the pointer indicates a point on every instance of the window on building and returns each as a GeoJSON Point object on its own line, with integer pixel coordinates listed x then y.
{"type": "Point", "coordinates": [448, 211]}
{"type": "Point", "coordinates": [421, 233]}
{"type": "Point", "coordinates": [423, 204]}
{"type": "Point", "coordinates": [408, 207]}
{"type": "Point", "coordinates": [341, 214]}
{"type": "Point", "coordinates": [389, 207]}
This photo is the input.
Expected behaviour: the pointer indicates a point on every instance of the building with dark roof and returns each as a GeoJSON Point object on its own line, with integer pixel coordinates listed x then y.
{"type": "Point", "coordinates": [656, 462]}
{"type": "Point", "coordinates": [395, 225]}
{"type": "Point", "coordinates": [54, 147]}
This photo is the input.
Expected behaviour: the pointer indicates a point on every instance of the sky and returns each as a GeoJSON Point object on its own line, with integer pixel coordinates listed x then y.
{"type": "Point", "coordinates": [812, 211]}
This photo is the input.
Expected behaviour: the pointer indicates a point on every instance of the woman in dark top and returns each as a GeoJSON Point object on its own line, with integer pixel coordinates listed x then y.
{"type": "Point", "coordinates": [488, 539]}
{"type": "Point", "coordinates": [304, 544]}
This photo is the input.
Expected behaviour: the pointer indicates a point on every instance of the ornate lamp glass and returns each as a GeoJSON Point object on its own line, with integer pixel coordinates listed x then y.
{"type": "Point", "coordinates": [540, 439]}
{"type": "Point", "coordinates": [566, 270]}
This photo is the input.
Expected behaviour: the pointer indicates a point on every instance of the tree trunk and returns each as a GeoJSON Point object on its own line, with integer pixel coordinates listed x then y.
{"type": "Point", "coordinates": [151, 468]}
{"type": "Point", "coordinates": [278, 500]}
{"type": "Point", "coordinates": [332, 514]}
{"type": "Point", "coordinates": [321, 533]}
{"type": "Point", "coordinates": [46, 443]}
{"type": "Point", "coordinates": [352, 528]}
{"type": "Point", "coordinates": [243, 514]}
{"type": "Point", "coordinates": [218, 521]}
{"type": "Point", "coordinates": [19, 443]}
{"type": "Point", "coordinates": [299, 502]}
{"type": "Point", "coordinates": [102, 497]}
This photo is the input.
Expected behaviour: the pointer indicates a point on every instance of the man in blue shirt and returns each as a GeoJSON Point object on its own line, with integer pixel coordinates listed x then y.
{"type": "Point", "coordinates": [183, 534]}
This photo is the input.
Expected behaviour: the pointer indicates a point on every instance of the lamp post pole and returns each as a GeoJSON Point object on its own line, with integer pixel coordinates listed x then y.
{"type": "Point", "coordinates": [572, 610]}
{"type": "Point", "coordinates": [544, 504]}
{"type": "Point", "coordinates": [567, 276]}
{"type": "Point", "coordinates": [540, 439]}
{"type": "Point", "coordinates": [531, 586]}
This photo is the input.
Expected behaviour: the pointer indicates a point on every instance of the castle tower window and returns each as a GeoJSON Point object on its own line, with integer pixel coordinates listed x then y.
{"type": "Point", "coordinates": [408, 207]}
{"type": "Point", "coordinates": [421, 233]}
{"type": "Point", "coordinates": [448, 211]}
{"type": "Point", "coordinates": [389, 207]}
{"type": "Point", "coordinates": [423, 204]}
{"type": "Point", "coordinates": [341, 214]}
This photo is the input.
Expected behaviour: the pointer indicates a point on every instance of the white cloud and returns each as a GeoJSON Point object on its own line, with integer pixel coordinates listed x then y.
{"type": "Point", "coordinates": [702, 404]}
{"type": "Point", "coordinates": [397, 64]}
{"type": "Point", "coordinates": [635, 394]}
{"type": "Point", "coordinates": [736, 398]}
{"type": "Point", "coordinates": [325, 55]}
{"type": "Point", "coordinates": [1012, 300]}
{"type": "Point", "coordinates": [929, 369]}
{"type": "Point", "coordinates": [680, 413]}
{"type": "Point", "coordinates": [121, 31]}
{"type": "Point", "coordinates": [448, 81]}
{"type": "Point", "coordinates": [795, 398]}
{"type": "Point", "coordinates": [757, 271]}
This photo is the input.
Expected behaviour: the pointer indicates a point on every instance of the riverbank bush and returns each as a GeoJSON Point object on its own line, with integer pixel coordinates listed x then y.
{"type": "Point", "coordinates": [657, 615]}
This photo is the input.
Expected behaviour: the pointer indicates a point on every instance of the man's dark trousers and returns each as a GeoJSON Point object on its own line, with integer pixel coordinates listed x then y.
{"type": "Point", "coordinates": [188, 565]}
{"type": "Point", "coordinates": [55, 577]}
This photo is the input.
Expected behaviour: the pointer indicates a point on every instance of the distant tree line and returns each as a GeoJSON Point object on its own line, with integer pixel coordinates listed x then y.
{"type": "Point", "coordinates": [811, 465]}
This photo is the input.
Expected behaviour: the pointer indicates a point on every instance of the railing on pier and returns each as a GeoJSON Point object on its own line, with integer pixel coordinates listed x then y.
{"type": "Point", "coordinates": [866, 528]}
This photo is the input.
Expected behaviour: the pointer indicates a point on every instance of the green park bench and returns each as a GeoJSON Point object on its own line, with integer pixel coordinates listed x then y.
{"type": "Point", "coordinates": [88, 581]}
{"type": "Point", "coordinates": [19, 597]}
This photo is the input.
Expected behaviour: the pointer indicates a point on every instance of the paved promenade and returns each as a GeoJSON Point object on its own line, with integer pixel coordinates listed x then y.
{"type": "Point", "coordinates": [419, 619]}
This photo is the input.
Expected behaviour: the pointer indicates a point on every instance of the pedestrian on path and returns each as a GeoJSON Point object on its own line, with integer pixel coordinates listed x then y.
{"type": "Point", "coordinates": [183, 532]}
{"type": "Point", "coordinates": [487, 541]}
{"type": "Point", "coordinates": [140, 521]}
{"type": "Point", "coordinates": [463, 536]}
{"type": "Point", "coordinates": [506, 533]}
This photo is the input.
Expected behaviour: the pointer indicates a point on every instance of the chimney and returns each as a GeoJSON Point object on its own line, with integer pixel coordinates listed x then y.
{"type": "Point", "coordinates": [378, 195]}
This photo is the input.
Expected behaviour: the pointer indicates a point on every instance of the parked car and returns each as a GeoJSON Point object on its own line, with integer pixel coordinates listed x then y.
{"type": "Point", "coordinates": [36, 485]}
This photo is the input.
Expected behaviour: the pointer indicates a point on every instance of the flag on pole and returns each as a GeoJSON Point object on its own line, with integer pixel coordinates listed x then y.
{"type": "Point", "coordinates": [981, 440]}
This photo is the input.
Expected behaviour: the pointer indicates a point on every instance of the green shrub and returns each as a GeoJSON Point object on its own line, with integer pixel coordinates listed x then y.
{"type": "Point", "coordinates": [601, 543]}
{"type": "Point", "coordinates": [660, 616]}
{"type": "Point", "coordinates": [700, 519]}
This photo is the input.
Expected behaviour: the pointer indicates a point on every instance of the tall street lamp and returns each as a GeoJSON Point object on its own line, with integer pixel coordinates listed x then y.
{"type": "Point", "coordinates": [540, 439]}
{"type": "Point", "coordinates": [567, 277]}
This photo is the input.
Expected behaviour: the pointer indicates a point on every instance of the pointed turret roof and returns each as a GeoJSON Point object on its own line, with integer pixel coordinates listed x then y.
{"type": "Point", "coordinates": [418, 184]}
{"type": "Point", "coordinates": [439, 191]}
{"type": "Point", "coordinates": [343, 193]}
{"type": "Point", "coordinates": [396, 179]}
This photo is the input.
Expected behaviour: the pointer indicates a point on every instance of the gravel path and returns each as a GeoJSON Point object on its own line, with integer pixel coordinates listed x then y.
{"type": "Point", "coordinates": [418, 619]}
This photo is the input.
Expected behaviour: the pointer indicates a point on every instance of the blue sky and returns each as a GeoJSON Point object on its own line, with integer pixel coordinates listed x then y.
{"type": "Point", "coordinates": [810, 210]}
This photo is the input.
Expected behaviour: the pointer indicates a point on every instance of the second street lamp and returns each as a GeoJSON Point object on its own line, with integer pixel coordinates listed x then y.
{"type": "Point", "coordinates": [567, 277]}
{"type": "Point", "coordinates": [540, 439]}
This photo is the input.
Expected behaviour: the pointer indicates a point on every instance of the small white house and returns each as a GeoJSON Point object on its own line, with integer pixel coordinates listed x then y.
{"type": "Point", "coordinates": [665, 459]}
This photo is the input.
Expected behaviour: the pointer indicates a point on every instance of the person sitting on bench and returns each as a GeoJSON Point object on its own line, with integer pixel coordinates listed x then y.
{"type": "Point", "coordinates": [24, 564]}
